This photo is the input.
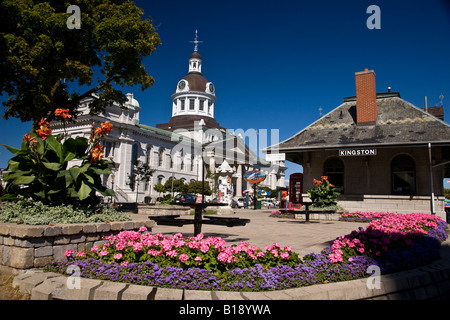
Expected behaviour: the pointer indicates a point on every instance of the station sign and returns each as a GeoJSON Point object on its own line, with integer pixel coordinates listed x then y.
{"type": "Point", "coordinates": [357, 152]}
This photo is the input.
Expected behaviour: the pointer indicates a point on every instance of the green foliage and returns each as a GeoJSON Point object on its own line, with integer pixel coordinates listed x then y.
{"type": "Point", "coordinates": [35, 212]}
{"type": "Point", "coordinates": [447, 193]}
{"type": "Point", "coordinates": [141, 173]}
{"type": "Point", "coordinates": [39, 171]}
{"type": "Point", "coordinates": [178, 186]}
{"type": "Point", "coordinates": [159, 188]}
{"type": "Point", "coordinates": [41, 57]}
{"type": "Point", "coordinates": [196, 188]}
{"type": "Point", "coordinates": [323, 194]}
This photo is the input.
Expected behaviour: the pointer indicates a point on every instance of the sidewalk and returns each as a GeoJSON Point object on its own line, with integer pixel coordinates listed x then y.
{"type": "Point", "coordinates": [263, 230]}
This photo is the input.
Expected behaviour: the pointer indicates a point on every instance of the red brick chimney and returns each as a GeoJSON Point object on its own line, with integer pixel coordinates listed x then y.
{"type": "Point", "coordinates": [366, 97]}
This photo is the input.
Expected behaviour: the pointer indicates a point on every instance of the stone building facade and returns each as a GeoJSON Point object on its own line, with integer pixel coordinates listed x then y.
{"type": "Point", "coordinates": [177, 149]}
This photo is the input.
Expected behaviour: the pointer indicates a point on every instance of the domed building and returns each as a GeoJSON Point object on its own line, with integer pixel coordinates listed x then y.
{"type": "Point", "coordinates": [176, 149]}
{"type": "Point", "coordinates": [194, 99]}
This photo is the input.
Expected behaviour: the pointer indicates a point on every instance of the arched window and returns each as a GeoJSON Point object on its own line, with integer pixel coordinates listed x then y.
{"type": "Point", "coordinates": [403, 175]}
{"type": "Point", "coordinates": [334, 170]}
{"type": "Point", "coordinates": [160, 157]}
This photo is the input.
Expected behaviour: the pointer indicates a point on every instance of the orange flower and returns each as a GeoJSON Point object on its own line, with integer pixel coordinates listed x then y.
{"type": "Point", "coordinates": [324, 178]}
{"type": "Point", "coordinates": [44, 131]}
{"type": "Point", "coordinates": [106, 128]}
{"type": "Point", "coordinates": [97, 153]}
{"type": "Point", "coordinates": [64, 113]}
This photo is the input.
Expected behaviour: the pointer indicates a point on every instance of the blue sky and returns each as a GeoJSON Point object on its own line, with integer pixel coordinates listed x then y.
{"type": "Point", "coordinates": [274, 63]}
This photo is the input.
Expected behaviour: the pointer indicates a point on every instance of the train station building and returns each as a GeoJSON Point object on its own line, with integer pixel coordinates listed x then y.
{"type": "Point", "coordinates": [380, 151]}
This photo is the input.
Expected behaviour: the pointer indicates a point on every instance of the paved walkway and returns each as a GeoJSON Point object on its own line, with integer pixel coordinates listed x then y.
{"type": "Point", "coordinates": [263, 230]}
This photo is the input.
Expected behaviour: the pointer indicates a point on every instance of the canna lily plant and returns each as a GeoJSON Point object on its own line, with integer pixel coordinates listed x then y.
{"type": "Point", "coordinates": [39, 169]}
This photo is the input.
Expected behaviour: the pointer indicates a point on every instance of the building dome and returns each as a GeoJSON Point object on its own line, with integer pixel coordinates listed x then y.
{"type": "Point", "coordinates": [132, 101]}
{"type": "Point", "coordinates": [196, 81]}
{"type": "Point", "coordinates": [195, 55]}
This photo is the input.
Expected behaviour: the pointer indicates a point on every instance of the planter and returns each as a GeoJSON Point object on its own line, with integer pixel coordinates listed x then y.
{"type": "Point", "coordinates": [162, 210]}
{"type": "Point", "coordinates": [33, 246]}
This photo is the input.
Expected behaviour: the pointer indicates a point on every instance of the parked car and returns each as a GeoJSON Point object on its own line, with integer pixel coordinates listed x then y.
{"type": "Point", "coordinates": [185, 198]}
{"type": "Point", "coordinates": [237, 203]}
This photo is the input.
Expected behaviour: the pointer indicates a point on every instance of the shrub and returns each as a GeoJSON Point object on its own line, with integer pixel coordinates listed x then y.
{"type": "Point", "coordinates": [35, 212]}
{"type": "Point", "coordinates": [324, 193]}
{"type": "Point", "coordinates": [39, 169]}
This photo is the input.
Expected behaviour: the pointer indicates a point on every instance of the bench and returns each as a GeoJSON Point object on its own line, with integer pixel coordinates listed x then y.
{"type": "Point", "coordinates": [306, 212]}
{"type": "Point", "coordinates": [173, 220]}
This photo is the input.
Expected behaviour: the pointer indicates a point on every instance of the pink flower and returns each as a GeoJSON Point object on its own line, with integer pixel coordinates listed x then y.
{"type": "Point", "coordinates": [284, 255]}
{"type": "Point", "coordinates": [94, 248]}
{"type": "Point", "coordinates": [103, 253]}
{"type": "Point", "coordinates": [198, 258]}
{"type": "Point", "coordinates": [68, 253]}
{"type": "Point", "coordinates": [172, 253]}
{"type": "Point", "coordinates": [81, 254]}
{"type": "Point", "coordinates": [138, 246]}
{"type": "Point", "coordinates": [120, 245]}
{"type": "Point", "coordinates": [117, 256]}
{"type": "Point", "coordinates": [183, 257]}
{"type": "Point", "coordinates": [154, 252]}
{"type": "Point", "coordinates": [124, 263]}
{"type": "Point", "coordinates": [204, 247]}
{"type": "Point", "coordinates": [142, 229]}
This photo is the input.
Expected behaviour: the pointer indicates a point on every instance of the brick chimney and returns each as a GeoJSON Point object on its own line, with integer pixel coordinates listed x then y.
{"type": "Point", "coordinates": [366, 97]}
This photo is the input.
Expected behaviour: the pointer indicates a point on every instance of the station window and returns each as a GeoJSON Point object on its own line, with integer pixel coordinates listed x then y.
{"type": "Point", "coordinates": [334, 170]}
{"type": "Point", "coordinates": [403, 175]}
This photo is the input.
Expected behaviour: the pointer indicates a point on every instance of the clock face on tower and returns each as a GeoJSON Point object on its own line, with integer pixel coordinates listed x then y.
{"type": "Point", "coordinates": [181, 85]}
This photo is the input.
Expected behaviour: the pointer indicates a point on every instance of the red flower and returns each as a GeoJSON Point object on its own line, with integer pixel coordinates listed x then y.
{"type": "Point", "coordinates": [44, 131]}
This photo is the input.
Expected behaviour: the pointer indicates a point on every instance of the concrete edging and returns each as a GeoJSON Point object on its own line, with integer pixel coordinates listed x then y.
{"type": "Point", "coordinates": [428, 282]}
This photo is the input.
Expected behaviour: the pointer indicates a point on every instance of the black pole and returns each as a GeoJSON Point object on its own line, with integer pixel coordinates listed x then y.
{"type": "Point", "coordinates": [254, 196]}
{"type": "Point", "coordinates": [199, 207]}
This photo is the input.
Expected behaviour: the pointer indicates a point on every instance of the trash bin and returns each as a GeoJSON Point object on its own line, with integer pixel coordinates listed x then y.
{"type": "Point", "coordinates": [258, 204]}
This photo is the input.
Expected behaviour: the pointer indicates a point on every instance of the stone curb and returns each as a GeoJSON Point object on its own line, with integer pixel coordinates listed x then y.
{"type": "Point", "coordinates": [428, 282]}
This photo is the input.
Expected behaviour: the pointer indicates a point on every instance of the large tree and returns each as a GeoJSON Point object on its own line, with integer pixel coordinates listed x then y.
{"type": "Point", "coordinates": [45, 64]}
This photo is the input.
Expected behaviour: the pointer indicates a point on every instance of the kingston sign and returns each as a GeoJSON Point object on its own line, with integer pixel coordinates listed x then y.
{"type": "Point", "coordinates": [357, 152]}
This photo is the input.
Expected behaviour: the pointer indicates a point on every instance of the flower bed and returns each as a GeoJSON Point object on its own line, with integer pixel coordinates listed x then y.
{"type": "Point", "coordinates": [359, 216]}
{"type": "Point", "coordinates": [394, 242]}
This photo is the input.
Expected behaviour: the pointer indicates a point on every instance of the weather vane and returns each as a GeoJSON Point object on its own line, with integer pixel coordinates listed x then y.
{"type": "Point", "coordinates": [442, 99]}
{"type": "Point", "coordinates": [320, 112]}
{"type": "Point", "coordinates": [196, 42]}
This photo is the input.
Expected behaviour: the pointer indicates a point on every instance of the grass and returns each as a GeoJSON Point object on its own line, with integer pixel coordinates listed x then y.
{"type": "Point", "coordinates": [8, 292]}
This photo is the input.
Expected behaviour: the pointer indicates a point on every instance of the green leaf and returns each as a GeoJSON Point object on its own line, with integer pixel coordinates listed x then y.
{"type": "Point", "coordinates": [54, 145]}
{"type": "Point", "coordinates": [52, 166]}
{"type": "Point", "coordinates": [23, 180]}
{"type": "Point", "coordinates": [84, 191]}
{"type": "Point", "coordinates": [11, 149]}
{"type": "Point", "coordinates": [74, 172]}
{"type": "Point", "coordinates": [100, 171]}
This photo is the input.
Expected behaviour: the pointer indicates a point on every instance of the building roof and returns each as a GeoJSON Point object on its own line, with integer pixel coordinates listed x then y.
{"type": "Point", "coordinates": [398, 123]}
{"type": "Point", "coordinates": [188, 121]}
{"type": "Point", "coordinates": [197, 82]}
